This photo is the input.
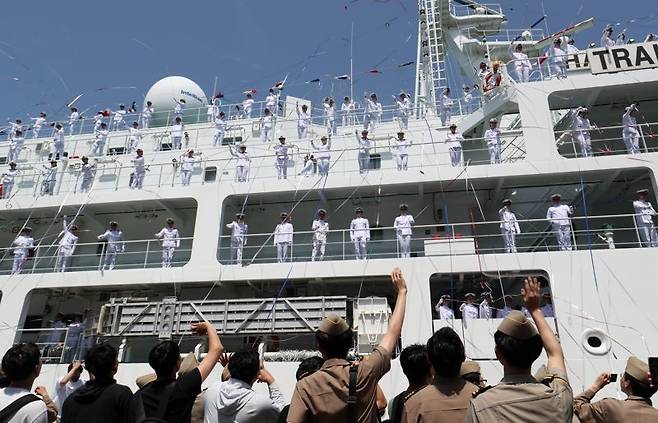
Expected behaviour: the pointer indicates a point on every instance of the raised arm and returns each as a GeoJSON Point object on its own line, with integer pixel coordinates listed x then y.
{"type": "Point", "coordinates": [392, 335]}
{"type": "Point", "coordinates": [103, 236]}
{"type": "Point", "coordinates": [215, 348]}
{"type": "Point", "coordinates": [74, 369]}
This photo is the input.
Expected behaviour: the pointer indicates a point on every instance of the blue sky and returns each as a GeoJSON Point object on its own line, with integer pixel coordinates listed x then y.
{"type": "Point", "coordinates": [60, 49]}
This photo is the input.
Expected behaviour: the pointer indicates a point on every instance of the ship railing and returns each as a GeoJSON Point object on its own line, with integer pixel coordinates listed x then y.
{"type": "Point", "coordinates": [91, 256]}
{"type": "Point", "coordinates": [57, 345]}
{"type": "Point", "coordinates": [476, 9]}
{"type": "Point", "coordinates": [444, 239]}
{"type": "Point", "coordinates": [503, 34]}
{"type": "Point", "coordinates": [113, 174]}
{"type": "Point", "coordinates": [607, 140]}
{"type": "Point", "coordinates": [541, 68]}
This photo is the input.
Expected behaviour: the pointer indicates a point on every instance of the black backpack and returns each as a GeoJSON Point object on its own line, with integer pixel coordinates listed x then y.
{"type": "Point", "coordinates": [9, 411]}
{"type": "Point", "coordinates": [159, 416]}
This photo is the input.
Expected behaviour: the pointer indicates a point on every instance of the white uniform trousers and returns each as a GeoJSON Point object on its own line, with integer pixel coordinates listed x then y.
{"type": "Point", "coordinates": [177, 143]}
{"type": "Point", "coordinates": [218, 138]}
{"type": "Point", "coordinates": [585, 143]}
{"type": "Point", "coordinates": [648, 234]}
{"type": "Point", "coordinates": [369, 122]}
{"type": "Point", "coordinates": [364, 162]}
{"type": "Point", "coordinates": [64, 254]}
{"type": "Point", "coordinates": [19, 262]}
{"type": "Point", "coordinates": [185, 176]}
{"type": "Point", "coordinates": [509, 237]}
{"type": "Point", "coordinates": [138, 180]}
{"type": "Point", "coordinates": [318, 249]}
{"type": "Point", "coordinates": [494, 153]}
{"type": "Point", "coordinates": [145, 122]}
{"type": "Point", "coordinates": [47, 187]}
{"type": "Point", "coordinates": [563, 236]}
{"type": "Point", "coordinates": [236, 250]}
{"type": "Point", "coordinates": [331, 126]}
{"type": "Point", "coordinates": [323, 166]}
{"type": "Point", "coordinates": [403, 119]}
{"type": "Point", "coordinates": [6, 189]}
{"type": "Point", "coordinates": [522, 73]}
{"type": "Point", "coordinates": [167, 256]}
{"type": "Point", "coordinates": [445, 115]}
{"type": "Point", "coordinates": [35, 131]}
{"type": "Point", "coordinates": [455, 156]}
{"type": "Point", "coordinates": [402, 161]}
{"type": "Point", "coordinates": [282, 168]}
{"type": "Point", "coordinates": [58, 150]}
{"type": "Point", "coordinates": [85, 185]}
{"type": "Point", "coordinates": [12, 156]}
{"type": "Point", "coordinates": [302, 132]}
{"type": "Point", "coordinates": [632, 141]}
{"type": "Point", "coordinates": [266, 133]}
{"type": "Point", "coordinates": [559, 69]}
{"type": "Point", "coordinates": [242, 173]}
{"type": "Point", "coordinates": [110, 257]}
{"type": "Point", "coordinates": [404, 246]}
{"type": "Point", "coordinates": [360, 248]}
{"type": "Point", "coordinates": [97, 149]}
{"type": "Point", "coordinates": [282, 251]}
{"type": "Point", "coordinates": [247, 112]}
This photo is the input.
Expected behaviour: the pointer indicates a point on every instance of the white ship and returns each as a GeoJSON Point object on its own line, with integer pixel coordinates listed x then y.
{"type": "Point", "coordinates": [602, 289]}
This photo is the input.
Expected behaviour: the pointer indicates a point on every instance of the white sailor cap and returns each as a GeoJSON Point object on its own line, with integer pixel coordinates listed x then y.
{"type": "Point", "coordinates": [494, 120]}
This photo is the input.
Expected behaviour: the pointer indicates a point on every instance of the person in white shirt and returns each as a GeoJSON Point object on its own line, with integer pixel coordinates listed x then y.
{"type": "Point", "coordinates": [401, 147]}
{"type": "Point", "coordinates": [360, 234]}
{"type": "Point", "coordinates": [74, 117]}
{"type": "Point", "coordinates": [630, 133]}
{"type": "Point", "coordinates": [467, 100]}
{"type": "Point", "coordinates": [71, 381]}
{"type": "Point", "coordinates": [186, 167]}
{"type": "Point", "coordinates": [443, 308]}
{"type": "Point", "coordinates": [87, 172]}
{"type": "Point", "coordinates": [581, 128]}
{"type": "Point", "coordinates": [23, 244]}
{"type": "Point", "coordinates": [372, 112]}
{"type": "Point", "coordinates": [485, 309]}
{"type": "Point", "coordinates": [283, 236]}
{"type": "Point", "coordinates": [558, 59]}
{"type": "Point", "coordinates": [242, 163]}
{"type": "Point", "coordinates": [329, 115]}
{"type": "Point", "coordinates": [7, 180]}
{"type": "Point", "coordinates": [15, 146]}
{"type": "Point", "coordinates": [14, 126]}
{"type": "Point", "coordinates": [320, 228]}
{"type": "Point", "coordinates": [492, 80]}
{"type": "Point", "coordinates": [220, 129]}
{"type": "Point", "coordinates": [281, 163]}
{"type": "Point", "coordinates": [469, 309]}
{"type": "Point", "coordinates": [403, 225]}
{"type": "Point", "coordinates": [176, 133]}
{"type": "Point", "coordinates": [303, 121]}
{"type": "Point", "coordinates": [492, 137]}
{"type": "Point", "coordinates": [347, 111]}
{"type": "Point", "coordinates": [58, 142]}
{"type": "Point", "coordinates": [238, 237]}
{"type": "Point", "coordinates": [509, 226]}
{"type": "Point", "coordinates": [606, 37]}
{"type": "Point", "coordinates": [501, 313]}
{"type": "Point", "coordinates": [247, 106]}
{"type": "Point", "coordinates": [644, 213]}
{"type": "Point", "coordinates": [404, 110]}
{"type": "Point", "coordinates": [571, 47]}
{"type": "Point", "coordinates": [49, 178]}
{"type": "Point", "coordinates": [364, 144]}
{"type": "Point", "coordinates": [118, 121]}
{"type": "Point", "coordinates": [270, 100]}
{"type": "Point", "coordinates": [178, 108]}
{"type": "Point", "coordinates": [547, 308]}
{"type": "Point", "coordinates": [454, 142]}
{"type": "Point", "coordinates": [147, 112]}
{"type": "Point", "coordinates": [310, 166]}
{"type": "Point", "coordinates": [25, 367]}
{"type": "Point", "coordinates": [170, 241]}
{"type": "Point", "coordinates": [98, 120]}
{"type": "Point", "coordinates": [323, 155]}
{"type": "Point", "coordinates": [266, 124]}
{"type": "Point", "coordinates": [558, 215]}
{"type": "Point", "coordinates": [114, 245]}
{"type": "Point", "coordinates": [39, 122]}
{"type": "Point", "coordinates": [482, 74]}
{"type": "Point", "coordinates": [98, 146]}
{"type": "Point", "coordinates": [445, 107]}
{"type": "Point", "coordinates": [134, 137]}
{"type": "Point", "coordinates": [139, 170]}
{"type": "Point", "coordinates": [522, 65]}
{"type": "Point", "coordinates": [67, 244]}
{"type": "Point", "coordinates": [211, 113]}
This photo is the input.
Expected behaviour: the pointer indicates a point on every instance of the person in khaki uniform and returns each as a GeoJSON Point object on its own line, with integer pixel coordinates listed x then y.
{"type": "Point", "coordinates": [446, 399]}
{"type": "Point", "coordinates": [519, 397]}
{"type": "Point", "coordinates": [323, 396]}
{"type": "Point", "coordinates": [636, 408]}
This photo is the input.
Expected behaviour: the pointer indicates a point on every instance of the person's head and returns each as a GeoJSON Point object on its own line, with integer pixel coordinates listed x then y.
{"type": "Point", "coordinates": [483, 66]}
{"type": "Point", "coordinates": [304, 107]}
{"type": "Point", "coordinates": [58, 126]}
{"type": "Point", "coordinates": [364, 134]}
{"type": "Point", "coordinates": [42, 114]}
{"type": "Point", "coordinates": [222, 115]}
{"type": "Point", "coordinates": [18, 121]}
{"type": "Point", "coordinates": [121, 106]}
{"type": "Point", "coordinates": [182, 100]}
{"type": "Point", "coordinates": [467, 88]}
{"type": "Point", "coordinates": [556, 198]}
{"type": "Point", "coordinates": [308, 366]}
{"type": "Point", "coordinates": [446, 91]}
{"type": "Point", "coordinates": [271, 90]}
{"type": "Point", "coordinates": [26, 231]}
{"type": "Point", "coordinates": [244, 366]}
{"type": "Point", "coordinates": [248, 95]}
{"type": "Point", "coordinates": [73, 109]}
{"type": "Point", "coordinates": [547, 298]}
{"type": "Point", "coordinates": [12, 165]}
{"type": "Point", "coordinates": [571, 41]}
{"type": "Point", "coordinates": [453, 128]}
{"type": "Point", "coordinates": [170, 222]}
{"type": "Point", "coordinates": [346, 99]}
{"type": "Point", "coordinates": [470, 372]}
{"type": "Point", "coordinates": [103, 125]}
{"type": "Point", "coordinates": [53, 163]}
{"type": "Point", "coordinates": [403, 95]}
{"type": "Point", "coordinates": [469, 298]}
{"type": "Point", "coordinates": [77, 374]}
{"type": "Point", "coordinates": [334, 337]}
{"type": "Point", "coordinates": [322, 213]}
{"type": "Point", "coordinates": [242, 148]}
{"type": "Point", "coordinates": [114, 225]}
{"type": "Point", "coordinates": [608, 30]}
{"type": "Point", "coordinates": [324, 140]}
{"type": "Point", "coordinates": [635, 380]}
{"type": "Point", "coordinates": [557, 42]}
{"type": "Point", "coordinates": [135, 125]}
{"type": "Point", "coordinates": [416, 365]}
{"type": "Point", "coordinates": [178, 120]}
{"type": "Point", "coordinates": [507, 203]}
{"type": "Point", "coordinates": [400, 135]}
{"type": "Point", "coordinates": [22, 363]}
{"type": "Point", "coordinates": [493, 123]}
{"type": "Point", "coordinates": [164, 358]}
{"type": "Point", "coordinates": [445, 300]}
{"type": "Point", "coordinates": [139, 152]}
{"type": "Point", "coordinates": [19, 133]}
{"type": "Point", "coordinates": [583, 111]}
{"type": "Point", "coordinates": [149, 104]}
{"type": "Point", "coordinates": [101, 361]}
{"type": "Point", "coordinates": [266, 111]}
{"type": "Point", "coordinates": [239, 217]}
{"type": "Point", "coordinates": [284, 217]}
{"type": "Point", "coordinates": [74, 229]}
{"type": "Point", "coordinates": [643, 194]}
{"type": "Point", "coordinates": [282, 140]}
{"type": "Point", "coordinates": [190, 153]}
{"type": "Point", "coordinates": [519, 48]}
{"type": "Point", "coordinates": [495, 66]}
{"type": "Point", "coordinates": [518, 343]}
{"type": "Point", "coordinates": [359, 212]}
{"type": "Point", "coordinates": [446, 352]}
{"type": "Point", "coordinates": [404, 208]}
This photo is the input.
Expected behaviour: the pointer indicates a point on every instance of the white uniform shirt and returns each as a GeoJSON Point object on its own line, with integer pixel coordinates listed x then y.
{"type": "Point", "coordinates": [492, 136]}
{"type": "Point", "coordinates": [138, 162]}
{"type": "Point", "coordinates": [453, 140]}
{"type": "Point", "coordinates": [17, 142]}
{"type": "Point", "coordinates": [630, 122]}
{"type": "Point", "coordinates": [8, 176]}
{"type": "Point", "coordinates": [270, 101]}
{"type": "Point", "coordinates": [347, 107]}
{"type": "Point", "coordinates": [169, 236]}
{"type": "Point", "coordinates": [238, 230]}
{"type": "Point", "coordinates": [469, 311]}
{"type": "Point", "coordinates": [485, 310]}
{"type": "Point", "coordinates": [34, 412]}
{"type": "Point", "coordinates": [303, 119]}
{"type": "Point", "coordinates": [559, 215]}
{"type": "Point", "coordinates": [247, 103]}
{"type": "Point", "coordinates": [521, 60]}
{"type": "Point", "coordinates": [557, 55]}
{"type": "Point", "coordinates": [135, 134]}
{"type": "Point", "coordinates": [118, 115]}
{"type": "Point", "coordinates": [23, 244]}
{"type": "Point", "coordinates": [445, 312]}
{"type": "Point", "coordinates": [508, 220]}
{"type": "Point", "coordinates": [323, 151]}
{"type": "Point", "coordinates": [364, 144]}
{"type": "Point", "coordinates": [49, 173]}
{"type": "Point", "coordinates": [101, 136]}
{"type": "Point", "coordinates": [59, 136]}
{"type": "Point", "coordinates": [220, 125]}
{"type": "Point", "coordinates": [266, 121]}
{"type": "Point", "coordinates": [73, 117]}
{"type": "Point", "coordinates": [402, 147]}
{"type": "Point", "coordinates": [446, 102]}
{"type": "Point", "coordinates": [571, 49]}
{"type": "Point", "coordinates": [40, 121]}
{"type": "Point", "coordinates": [504, 312]}
{"type": "Point", "coordinates": [403, 224]}
{"type": "Point", "coordinates": [468, 97]}
{"type": "Point", "coordinates": [178, 108]}
{"type": "Point", "coordinates": [404, 107]}
{"type": "Point", "coordinates": [283, 233]}
{"type": "Point", "coordinates": [644, 211]}
{"type": "Point", "coordinates": [607, 41]}
{"type": "Point", "coordinates": [320, 229]}
{"type": "Point", "coordinates": [147, 111]}
{"type": "Point", "coordinates": [113, 238]}
{"type": "Point", "coordinates": [581, 126]}
{"type": "Point", "coordinates": [360, 229]}
{"type": "Point", "coordinates": [328, 111]}
{"type": "Point", "coordinates": [62, 392]}
{"type": "Point", "coordinates": [68, 241]}
{"type": "Point", "coordinates": [243, 158]}
{"type": "Point", "coordinates": [373, 107]}
{"type": "Point", "coordinates": [87, 171]}
{"type": "Point", "coordinates": [187, 163]}
{"type": "Point", "coordinates": [281, 152]}
{"type": "Point", "coordinates": [177, 130]}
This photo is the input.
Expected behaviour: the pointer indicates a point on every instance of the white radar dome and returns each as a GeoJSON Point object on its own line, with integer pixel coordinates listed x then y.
{"type": "Point", "coordinates": [164, 94]}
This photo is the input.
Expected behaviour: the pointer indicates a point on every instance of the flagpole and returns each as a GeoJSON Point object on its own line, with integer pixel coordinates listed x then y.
{"type": "Point", "coordinates": [351, 79]}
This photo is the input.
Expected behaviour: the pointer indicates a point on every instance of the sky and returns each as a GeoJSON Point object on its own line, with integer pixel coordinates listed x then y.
{"type": "Point", "coordinates": [51, 52]}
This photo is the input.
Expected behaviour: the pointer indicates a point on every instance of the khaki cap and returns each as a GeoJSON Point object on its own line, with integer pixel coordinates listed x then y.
{"type": "Point", "coordinates": [188, 364]}
{"type": "Point", "coordinates": [142, 381]}
{"type": "Point", "coordinates": [517, 326]}
{"type": "Point", "coordinates": [333, 325]}
{"type": "Point", "coordinates": [638, 369]}
{"type": "Point", "coordinates": [469, 367]}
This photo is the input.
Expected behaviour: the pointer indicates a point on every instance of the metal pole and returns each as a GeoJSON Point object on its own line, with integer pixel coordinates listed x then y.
{"type": "Point", "coordinates": [146, 256]}
{"type": "Point", "coordinates": [351, 63]}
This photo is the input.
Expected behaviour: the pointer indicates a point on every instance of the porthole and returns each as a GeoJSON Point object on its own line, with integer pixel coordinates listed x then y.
{"type": "Point", "coordinates": [596, 341]}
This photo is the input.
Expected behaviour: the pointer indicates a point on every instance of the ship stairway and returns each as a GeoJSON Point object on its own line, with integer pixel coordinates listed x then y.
{"type": "Point", "coordinates": [432, 49]}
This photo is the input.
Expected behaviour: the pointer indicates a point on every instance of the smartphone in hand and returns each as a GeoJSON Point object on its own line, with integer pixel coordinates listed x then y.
{"type": "Point", "coordinates": [613, 377]}
{"type": "Point", "coordinates": [653, 368]}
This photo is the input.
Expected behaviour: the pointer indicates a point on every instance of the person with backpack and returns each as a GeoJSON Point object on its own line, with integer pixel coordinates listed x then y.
{"type": "Point", "coordinates": [417, 368]}
{"type": "Point", "coordinates": [21, 365]}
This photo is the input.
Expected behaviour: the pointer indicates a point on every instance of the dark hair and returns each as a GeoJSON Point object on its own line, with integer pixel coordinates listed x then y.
{"type": "Point", "coordinates": [415, 363]}
{"type": "Point", "coordinates": [335, 346]}
{"type": "Point", "coordinates": [640, 389]}
{"type": "Point", "coordinates": [308, 366]}
{"type": "Point", "coordinates": [519, 353]}
{"type": "Point", "coordinates": [100, 360]}
{"type": "Point", "coordinates": [20, 360]}
{"type": "Point", "coordinates": [244, 365]}
{"type": "Point", "coordinates": [446, 352]}
{"type": "Point", "coordinates": [474, 377]}
{"type": "Point", "coordinates": [164, 357]}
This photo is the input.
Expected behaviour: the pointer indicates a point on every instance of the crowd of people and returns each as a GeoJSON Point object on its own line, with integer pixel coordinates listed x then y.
{"type": "Point", "coordinates": [443, 386]}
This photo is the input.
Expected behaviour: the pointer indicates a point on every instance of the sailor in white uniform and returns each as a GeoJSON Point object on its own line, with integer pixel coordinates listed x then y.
{"type": "Point", "coordinates": [558, 59]}
{"type": "Point", "coordinates": [401, 147]}
{"type": "Point", "coordinates": [509, 226]}
{"type": "Point", "coordinates": [23, 244]}
{"type": "Point", "coordinates": [170, 241]}
{"type": "Point", "coordinates": [443, 308]}
{"type": "Point", "coordinates": [39, 122]}
{"type": "Point", "coordinates": [630, 133]}
{"type": "Point", "coordinates": [372, 111]}
{"type": "Point", "coordinates": [67, 244]}
{"type": "Point", "coordinates": [492, 137]}
{"type": "Point", "coordinates": [571, 46]}
{"type": "Point", "coordinates": [114, 245]}
{"type": "Point", "coordinates": [581, 128]}
{"type": "Point", "coordinates": [347, 111]}
{"type": "Point", "coordinates": [211, 112]}
{"type": "Point", "coordinates": [454, 142]}
{"type": "Point", "coordinates": [87, 172]}
{"type": "Point", "coordinates": [7, 179]}
{"type": "Point", "coordinates": [467, 100]}
{"type": "Point", "coordinates": [176, 132]}
{"type": "Point", "coordinates": [98, 120]}
{"type": "Point", "coordinates": [403, 225]}
{"type": "Point", "coordinates": [74, 117]}
{"type": "Point", "coordinates": [644, 213]}
{"type": "Point", "coordinates": [558, 215]}
{"type": "Point", "coordinates": [247, 106]}
{"type": "Point", "coordinates": [186, 167]}
{"type": "Point", "coordinates": [147, 112]}
{"type": "Point", "coordinates": [58, 142]}
{"type": "Point", "coordinates": [329, 115]}
{"type": "Point", "coordinates": [98, 146]}
{"type": "Point", "coordinates": [485, 309]}
{"type": "Point", "coordinates": [266, 124]}
{"type": "Point", "coordinates": [323, 155]}
{"type": "Point", "coordinates": [17, 125]}
{"type": "Point", "coordinates": [118, 121]}
{"type": "Point", "coordinates": [281, 163]}
{"type": "Point", "coordinates": [364, 144]}
{"type": "Point", "coordinates": [522, 65]}
{"type": "Point", "coordinates": [49, 178]}
{"type": "Point", "coordinates": [15, 146]}
{"type": "Point", "coordinates": [469, 309]}
{"type": "Point", "coordinates": [242, 163]}
{"type": "Point", "coordinates": [501, 313]}
{"type": "Point", "coordinates": [445, 107]}
{"type": "Point", "coordinates": [547, 308]}
{"type": "Point", "coordinates": [303, 121]}
{"type": "Point", "coordinates": [178, 108]}
{"type": "Point", "coordinates": [220, 129]}
{"type": "Point", "coordinates": [270, 100]}
{"type": "Point", "coordinates": [606, 37]}
{"type": "Point", "coordinates": [360, 234]}
{"type": "Point", "coordinates": [320, 228]}
{"type": "Point", "coordinates": [139, 170]}
{"type": "Point", "coordinates": [404, 110]}
{"type": "Point", "coordinates": [283, 236]}
{"type": "Point", "coordinates": [238, 237]}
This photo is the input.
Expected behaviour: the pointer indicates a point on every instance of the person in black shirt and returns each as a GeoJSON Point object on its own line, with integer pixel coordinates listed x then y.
{"type": "Point", "coordinates": [168, 398]}
{"type": "Point", "coordinates": [101, 400]}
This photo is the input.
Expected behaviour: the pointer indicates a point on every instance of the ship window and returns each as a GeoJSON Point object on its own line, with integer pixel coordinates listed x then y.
{"type": "Point", "coordinates": [210, 174]}
{"type": "Point", "coordinates": [375, 161]}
